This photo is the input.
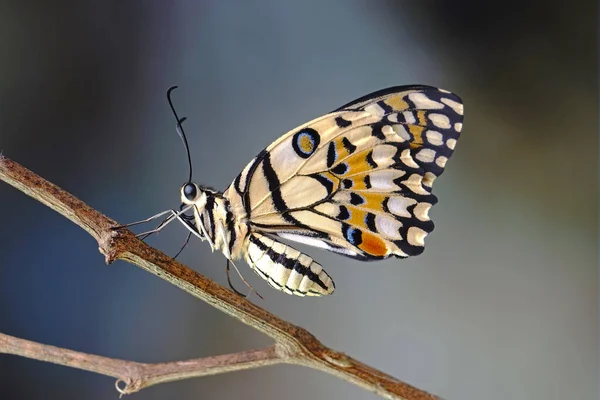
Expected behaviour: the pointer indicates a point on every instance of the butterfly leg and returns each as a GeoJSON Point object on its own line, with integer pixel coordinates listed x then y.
{"type": "Point", "coordinates": [286, 269]}
{"type": "Point", "coordinates": [184, 246]}
{"type": "Point", "coordinates": [229, 281]}
{"type": "Point", "coordinates": [242, 278]}
{"type": "Point", "coordinates": [143, 221]}
{"type": "Point", "coordinates": [179, 215]}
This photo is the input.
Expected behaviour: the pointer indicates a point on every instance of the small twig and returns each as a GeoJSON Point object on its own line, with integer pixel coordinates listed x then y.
{"type": "Point", "coordinates": [132, 376]}
{"type": "Point", "coordinates": [293, 345]}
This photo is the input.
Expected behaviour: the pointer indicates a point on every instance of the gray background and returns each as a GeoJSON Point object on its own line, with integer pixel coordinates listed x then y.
{"type": "Point", "coordinates": [502, 304]}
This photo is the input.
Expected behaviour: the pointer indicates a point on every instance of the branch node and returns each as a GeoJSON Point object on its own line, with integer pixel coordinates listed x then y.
{"type": "Point", "coordinates": [109, 245]}
{"type": "Point", "coordinates": [286, 350]}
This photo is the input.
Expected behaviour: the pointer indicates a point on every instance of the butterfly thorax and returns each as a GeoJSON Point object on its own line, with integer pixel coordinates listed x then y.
{"type": "Point", "coordinates": [215, 220]}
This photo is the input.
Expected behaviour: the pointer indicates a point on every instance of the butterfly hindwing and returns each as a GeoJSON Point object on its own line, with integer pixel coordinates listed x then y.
{"type": "Point", "coordinates": [358, 180]}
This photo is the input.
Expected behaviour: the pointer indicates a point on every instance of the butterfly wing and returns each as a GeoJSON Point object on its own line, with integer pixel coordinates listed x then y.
{"type": "Point", "coordinates": [358, 180]}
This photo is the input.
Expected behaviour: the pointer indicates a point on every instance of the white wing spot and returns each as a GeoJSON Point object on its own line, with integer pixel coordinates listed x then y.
{"type": "Point", "coordinates": [401, 131]}
{"type": "Point", "coordinates": [388, 226]}
{"type": "Point", "coordinates": [440, 120]}
{"type": "Point", "coordinates": [422, 101]}
{"type": "Point", "coordinates": [416, 236]}
{"type": "Point", "coordinates": [426, 155]}
{"type": "Point", "coordinates": [383, 154]}
{"type": "Point", "coordinates": [458, 126]}
{"type": "Point", "coordinates": [451, 143]}
{"type": "Point", "coordinates": [399, 204]}
{"type": "Point", "coordinates": [328, 208]}
{"type": "Point", "coordinates": [342, 196]}
{"type": "Point", "coordinates": [407, 159]}
{"type": "Point", "coordinates": [409, 117]}
{"type": "Point", "coordinates": [387, 130]}
{"type": "Point", "coordinates": [384, 179]}
{"type": "Point", "coordinates": [441, 161]}
{"type": "Point", "coordinates": [415, 184]}
{"type": "Point", "coordinates": [375, 109]}
{"type": "Point", "coordinates": [435, 138]}
{"type": "Point", "coordinates": [457, 107]}
{"type": "Point", "coordinates": [421, 211]}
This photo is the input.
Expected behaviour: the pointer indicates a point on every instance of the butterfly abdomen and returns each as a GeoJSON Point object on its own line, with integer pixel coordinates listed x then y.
{"type": "Point", "coordinates": [287, 269]}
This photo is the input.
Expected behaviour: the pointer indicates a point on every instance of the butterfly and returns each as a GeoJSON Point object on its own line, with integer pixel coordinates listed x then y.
{"type": "Point", "coordinates": [356, 181]}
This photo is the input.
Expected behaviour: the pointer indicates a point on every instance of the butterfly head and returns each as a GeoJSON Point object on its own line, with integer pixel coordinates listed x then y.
{"type": "Point", "coordinates": [194, 194]}
{"type": "Point", "coordinates": [190, 193]}
{"type": "Point", "coordinates": [194, 197]}
{"type": "Point", "coordinates": [204, 203]}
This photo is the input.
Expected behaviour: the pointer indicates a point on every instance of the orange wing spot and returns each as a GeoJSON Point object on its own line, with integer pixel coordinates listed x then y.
{"type": "Point", "coordinates": [416, 132]}
{"type": "Point", "coordinates": [373, 245]}
{"type": "Point", "coordinates": [373, 201]}
{"type": "Point", "coordinates": [421, 118]}
{"type": "Point", "coordinates": [358, 182]}
{"type": "Point", "coordinates": [341, 150]}
{"type": "Point", "coordinates": [357, 217]}
{"type": "Point", "coordinates": [357, 163]}
{"type": "Point", "coordinates": [397, 102]}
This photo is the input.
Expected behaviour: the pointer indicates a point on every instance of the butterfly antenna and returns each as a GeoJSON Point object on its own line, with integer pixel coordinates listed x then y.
{"type": "Point", "coordinates": [179, 129]}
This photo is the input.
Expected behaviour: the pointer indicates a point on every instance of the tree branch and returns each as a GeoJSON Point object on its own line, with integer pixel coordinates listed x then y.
{"type": "Point", "coordinates": [293, 344]}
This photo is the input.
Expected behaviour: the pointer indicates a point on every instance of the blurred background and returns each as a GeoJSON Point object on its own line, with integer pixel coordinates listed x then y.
{"type": "Point", "coordinates": [503, 302]}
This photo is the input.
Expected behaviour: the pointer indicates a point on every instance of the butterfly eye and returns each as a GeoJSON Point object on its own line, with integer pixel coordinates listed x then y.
{"type": "Point", "coordinates": [190, 191]}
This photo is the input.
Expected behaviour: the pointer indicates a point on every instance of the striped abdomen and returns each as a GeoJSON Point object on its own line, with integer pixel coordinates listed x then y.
{"type": "Point", "coordinates": [286, 269]}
